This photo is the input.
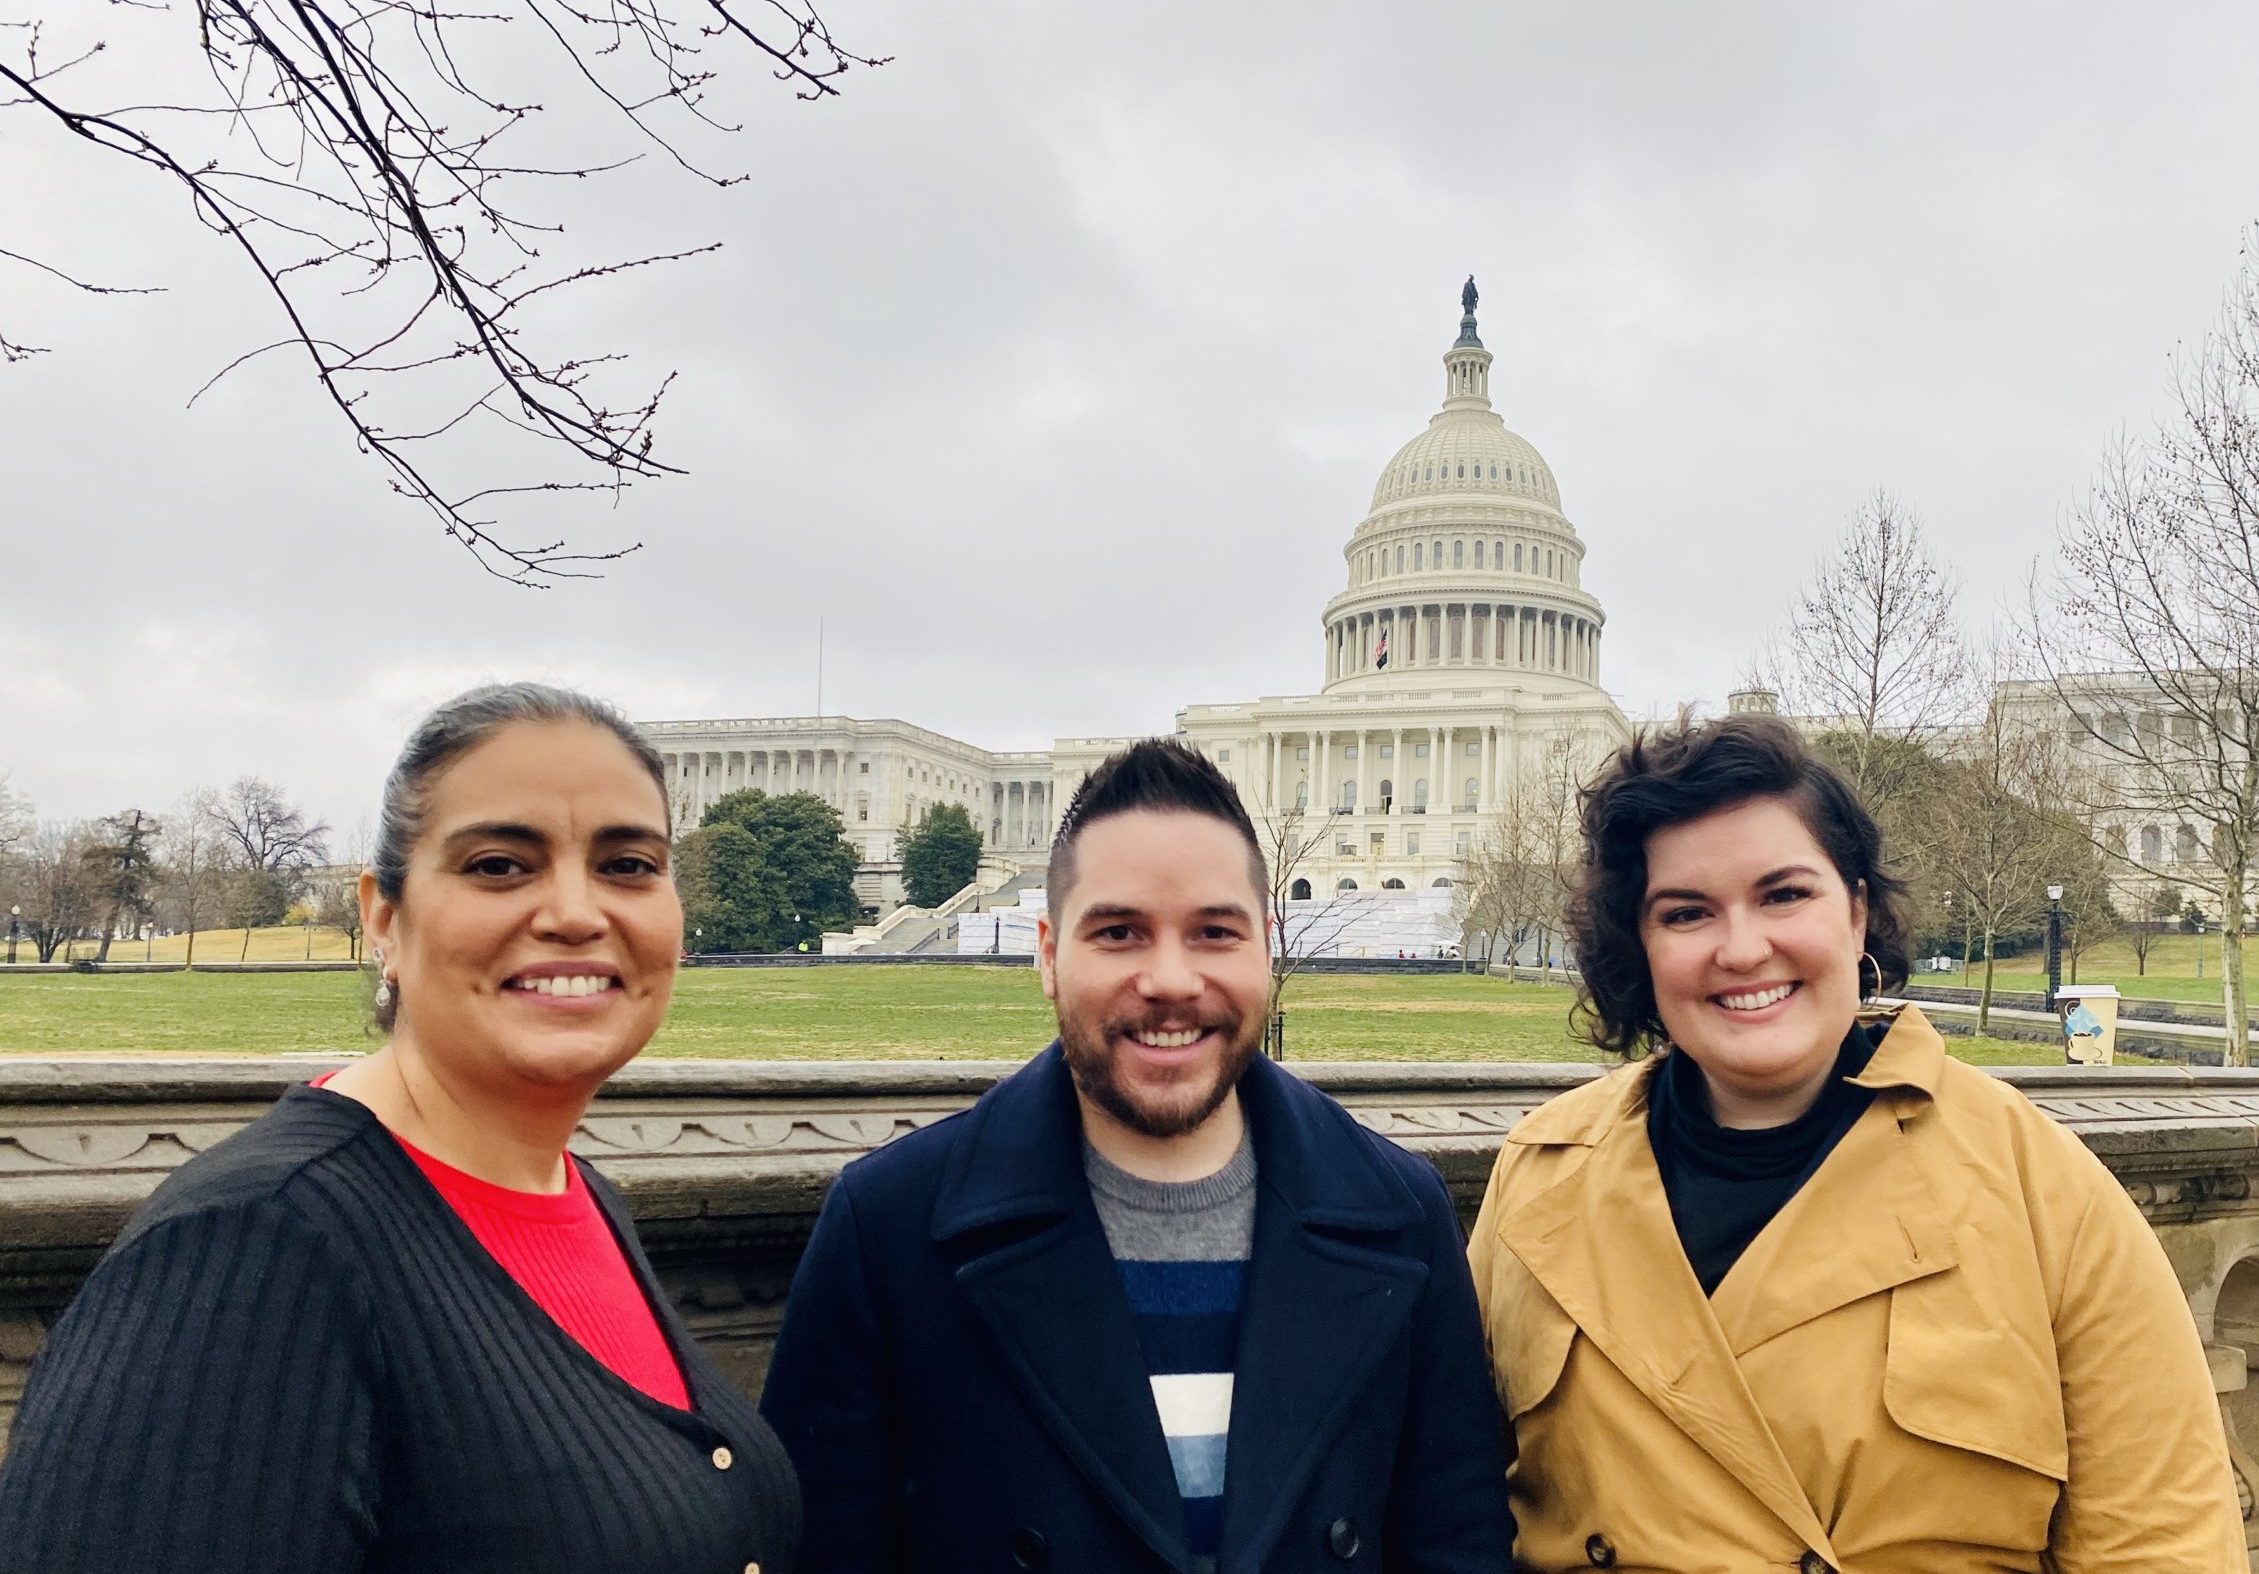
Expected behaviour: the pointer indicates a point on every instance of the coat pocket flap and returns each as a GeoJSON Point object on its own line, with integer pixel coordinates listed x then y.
{"type": "Point", "coordinates": [1958, 1374]}
{"type": "Point", "coordinates": [1530, 1336]}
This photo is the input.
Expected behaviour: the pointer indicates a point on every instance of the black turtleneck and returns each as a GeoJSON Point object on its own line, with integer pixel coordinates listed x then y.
{"type": "Point", "coordinates": [1725, 1184]}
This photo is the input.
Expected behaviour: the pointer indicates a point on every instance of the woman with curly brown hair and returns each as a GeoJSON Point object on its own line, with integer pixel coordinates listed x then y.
{"type": "Point", "coordinates": [1798, 1290]}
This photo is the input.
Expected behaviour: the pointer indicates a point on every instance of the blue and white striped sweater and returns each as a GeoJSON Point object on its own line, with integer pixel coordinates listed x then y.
{"type": "Point", "coordinates": [1182, 1250]}
{"type": "Point", "coordinates": [1187, 1327]}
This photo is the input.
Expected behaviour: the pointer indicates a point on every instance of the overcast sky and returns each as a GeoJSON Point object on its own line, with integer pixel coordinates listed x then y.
{"type": "Point", "coordinates": [1052, 365]}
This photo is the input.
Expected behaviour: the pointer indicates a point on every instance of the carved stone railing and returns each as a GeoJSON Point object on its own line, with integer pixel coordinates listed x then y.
{"type": "Point", "coordinates": [726, 1162]}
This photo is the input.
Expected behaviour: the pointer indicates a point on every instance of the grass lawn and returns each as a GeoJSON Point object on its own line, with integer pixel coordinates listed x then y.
{"type": "Point", "coordinates": [2169, 975]}
{"type": "Point", "coordinates": [837, 1013]}
{"type": "Point", "coordinates": [282, 943]}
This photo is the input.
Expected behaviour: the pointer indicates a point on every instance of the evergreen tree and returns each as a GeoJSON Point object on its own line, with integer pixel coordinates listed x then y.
{"type": "Point", "coordinates": [730, 897]}
{"type": "Point", "coordinates": [766, 873]}
{"type": "Point", "coordinates": [121, 868]}
{"type": "Point", "coordinates": [940, 855]}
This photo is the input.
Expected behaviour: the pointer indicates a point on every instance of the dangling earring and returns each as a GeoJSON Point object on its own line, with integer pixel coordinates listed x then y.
{"type": "Point", "coordinates": [384, 981]}
{"type": "Point", "coordinates": [1865, 996]}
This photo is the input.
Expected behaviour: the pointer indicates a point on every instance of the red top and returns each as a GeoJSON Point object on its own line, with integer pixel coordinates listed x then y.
{"type": "Point", "coordinates": [562, 1252]}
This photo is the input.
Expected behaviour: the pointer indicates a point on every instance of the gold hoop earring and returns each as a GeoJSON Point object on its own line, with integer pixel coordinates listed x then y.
{"type": "Point", "coordinates": [1867, 961]}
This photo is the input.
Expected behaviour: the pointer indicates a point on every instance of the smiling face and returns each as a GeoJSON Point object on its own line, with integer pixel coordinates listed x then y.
{"type": "Point", "coordinates": [1157, 963]}
{"type": "Point", "coordinates": [537, 932]}
{"type": "Point", "coordinates": [1753, 942]}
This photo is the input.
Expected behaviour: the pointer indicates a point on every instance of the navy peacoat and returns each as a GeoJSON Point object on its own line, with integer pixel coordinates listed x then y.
{"type": "Point", "coordinates": [959, 1382]}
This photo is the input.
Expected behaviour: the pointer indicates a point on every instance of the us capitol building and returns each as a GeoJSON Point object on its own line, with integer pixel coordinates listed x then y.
{"type": "Point", "coordinates": [1461, 654]}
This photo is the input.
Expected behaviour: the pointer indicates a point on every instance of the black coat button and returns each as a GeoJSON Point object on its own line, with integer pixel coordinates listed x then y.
{"type": "Point", "coordinates": [1029, 1549]}
{"type": "Point", "coordinates": [1600, 1552]}
{"type": "Point", "coordinates": [1341, 1539]}
{"type": "Point", "coordinates": [1813, 1563]}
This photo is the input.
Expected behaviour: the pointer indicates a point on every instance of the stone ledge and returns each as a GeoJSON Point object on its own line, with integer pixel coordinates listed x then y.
{"type": "Point", "coordinates": [725, 1163]}
{"type": "Point", "coordinates": [82, 1141]}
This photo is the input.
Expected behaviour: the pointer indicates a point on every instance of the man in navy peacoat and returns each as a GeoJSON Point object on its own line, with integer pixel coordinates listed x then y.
{"type": "Point", "coordinates": [962, 1380]}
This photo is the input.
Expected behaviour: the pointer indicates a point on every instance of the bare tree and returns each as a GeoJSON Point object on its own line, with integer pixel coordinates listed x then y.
{"type": "Point", "coordinates": [2141, 939]}
{"type": "Point", "coordinates": [1522, 863]}
{"type": "Point", "coordinates": [2089, 905]}
{"type": "Point", "coordinates": [368, 162]}
{"type": "Point", "coordinates": [337, 899]}
{"type": "Point", "coordinates": [15, 818]}
{"type": "Point", "coordinates": [2159, 907]}
{"type": "Point", "coordinates": [2002, 832]}
{"type": "Point", "coordinates": [338, 906]}
{"type": "Point", "coordinates": [15, 826]}
{"type": "Point", "coordinates": [265, 830]}
{"type": "Point", "coordinates": [1290, 836]}
{"type": "Point", "coordinates": [60, 897]}
{"type": "Point", "coordinates": [2148, 632]}
{"type": "Point", "coordinates": [1478, 907]}
{"type": "Point", "coordinates": [268, 842]}
{"type": "Point", "coordinates": [192, 863]}
{"type": "Point", "coordinates": [1483, 900]}
{"type": "Point", "coordinates": [1874, 652]}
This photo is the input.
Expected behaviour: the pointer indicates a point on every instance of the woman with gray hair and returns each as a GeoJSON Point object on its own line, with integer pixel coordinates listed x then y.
{"type": "Point", "coordinates": [393, 1324]}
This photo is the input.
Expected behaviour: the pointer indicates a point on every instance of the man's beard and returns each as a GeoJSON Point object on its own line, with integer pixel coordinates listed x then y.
{"type": "Point", "coordinates": [1090, 1051]}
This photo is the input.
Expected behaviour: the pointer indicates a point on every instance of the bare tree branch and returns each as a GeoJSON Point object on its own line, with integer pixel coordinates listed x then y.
{"type": "Point", "coordinates": [2003, 826]}
{"type": "Point", "coordinates": [2146, 632]}
{"type": "Point", "coordinates": [263, 829]}
{"type": "Point", "coordinates": [354, 140]}
{"type": "Point", "coordinates": [1290, 836]}
{"type": "Point", "coordinates": [1526, 860]}
{"type": "Point", "coordinates": [15, 818]}
{"type": "Point", "coordinates": [1874, 651]}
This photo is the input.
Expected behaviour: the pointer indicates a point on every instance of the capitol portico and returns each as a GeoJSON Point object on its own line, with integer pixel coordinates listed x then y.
{"type": "Point", "coordinates": [1461, 653]}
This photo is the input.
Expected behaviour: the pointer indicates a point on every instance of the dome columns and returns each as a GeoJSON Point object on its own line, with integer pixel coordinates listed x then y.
{"type": "Point", "coordinates": [1464, 632]}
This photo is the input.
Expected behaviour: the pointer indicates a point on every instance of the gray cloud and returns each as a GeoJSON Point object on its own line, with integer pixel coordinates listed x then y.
{"type": "Point", "coordinates": [1053, 364]}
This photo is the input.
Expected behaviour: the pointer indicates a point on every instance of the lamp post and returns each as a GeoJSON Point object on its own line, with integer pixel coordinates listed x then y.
{"type": "Point", "coordinates": [15, 922]}
{"type": "Point", "coordinates": [2054, 943]}
{"type": "Point", "coordinates": [2200, 948]}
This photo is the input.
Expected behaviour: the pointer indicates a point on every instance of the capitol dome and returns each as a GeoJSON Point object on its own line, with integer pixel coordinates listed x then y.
{"type": "Point", "coordinates": [1464, 560]}
{"type": "Point", "coordinates": [1467, 448]}
{"type": "Point", "coordinates": [1467, 451]}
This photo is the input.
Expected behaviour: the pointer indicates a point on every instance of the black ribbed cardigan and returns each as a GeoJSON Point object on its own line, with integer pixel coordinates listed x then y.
{"type": "Point", "coordinates": [297, 1360]}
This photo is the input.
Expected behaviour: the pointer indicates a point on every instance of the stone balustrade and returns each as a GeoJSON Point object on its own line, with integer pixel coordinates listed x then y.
{"type": "Point", "coordinates": [725, 1164]}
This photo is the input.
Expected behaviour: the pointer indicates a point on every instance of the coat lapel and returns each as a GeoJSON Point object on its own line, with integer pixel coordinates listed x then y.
{"type": "Point", "coordinates": [1867, 1221]}
{"type": "Point", "coordinates": [1602, 1243]}
{"type": "Point", "coordinates": [1056, 1306]}
{"type": "Point", "coordinates": [1328, 1292]}
{"type": "Point", "coordinates": [1048, 1291]}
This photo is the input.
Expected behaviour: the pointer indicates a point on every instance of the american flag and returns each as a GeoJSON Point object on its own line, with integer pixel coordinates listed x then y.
{"type": "Point", "coordinates": [1380, 652]}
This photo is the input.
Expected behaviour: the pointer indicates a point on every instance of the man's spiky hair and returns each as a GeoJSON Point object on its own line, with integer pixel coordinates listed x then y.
{"type": "Point", "coordinates": [1157, 774]}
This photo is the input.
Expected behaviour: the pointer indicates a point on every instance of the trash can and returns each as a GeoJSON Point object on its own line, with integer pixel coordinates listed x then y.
{"type": "Point", "coordinates": [2089, 1014]}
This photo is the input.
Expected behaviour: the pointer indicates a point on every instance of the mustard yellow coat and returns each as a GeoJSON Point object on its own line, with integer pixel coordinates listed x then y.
{"type": "Point", "coordinates": [1958, 1348]}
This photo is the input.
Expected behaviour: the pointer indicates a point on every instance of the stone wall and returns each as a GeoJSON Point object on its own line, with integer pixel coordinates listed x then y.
{"type": "Point", "coordinates": [725, 1164]}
